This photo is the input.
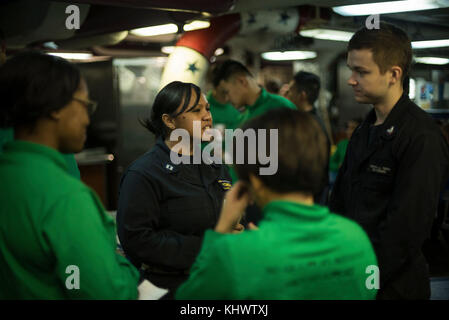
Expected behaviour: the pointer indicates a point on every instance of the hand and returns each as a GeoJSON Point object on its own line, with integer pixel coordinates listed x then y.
{"type": "Point", "coordinates": [252, 226]}
{"type": "Point", "coordinates": [238, 228]}
{"type": "Point", "coordinates": [236, 201]}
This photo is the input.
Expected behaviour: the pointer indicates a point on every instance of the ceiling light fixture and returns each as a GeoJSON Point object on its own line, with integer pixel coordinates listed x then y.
{"type": "Point", "coordinates": [219, 52]}
{"type": "Point", "coordinates": [288, 55]}
{"type": "Point", "coordinates": [389, 7]}
{"type": "Point", "coordinates": [327, 34]}
{"type": "Point", "coordinates": [432, 60]}
{"type": "Point", "coordinates": [156, 30]}
{"type": "Point", "coordinates": [72, 55]}
{"type": "Point", "coordinates": [167, 49]}
{"type": "Point", "coordinates": [430, 44]}
{"type": "Point", "coordinates": [196, 24]}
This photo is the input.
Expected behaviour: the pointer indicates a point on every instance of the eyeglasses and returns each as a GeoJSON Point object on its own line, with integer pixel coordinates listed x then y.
{"type": "Point", "coordinates": [90, 105]}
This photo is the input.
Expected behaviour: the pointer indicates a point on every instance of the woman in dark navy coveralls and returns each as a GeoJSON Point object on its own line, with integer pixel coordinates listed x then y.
{"type": "Point", "coordinates": [165, 208]}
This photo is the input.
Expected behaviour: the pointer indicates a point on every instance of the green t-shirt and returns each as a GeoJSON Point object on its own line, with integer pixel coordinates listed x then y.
{"type": "Point", "coordinates": [224, 114]}
{"type": "Point", "coordinates": [266, 101]}
{"type": "Point", "coordinates": [53, 229]}
{"type": "Point", "coordinates": [337, 158]}
{"type": "Point", "coordinates": [299, 252]}
{"type": "Point", "coordinates": [7, 135]}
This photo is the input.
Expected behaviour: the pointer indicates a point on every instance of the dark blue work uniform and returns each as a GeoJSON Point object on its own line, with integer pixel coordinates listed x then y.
{"type": "Point", "coordinates": [163, 211]}
{"type": "Point", "coordinates": [389, 183]}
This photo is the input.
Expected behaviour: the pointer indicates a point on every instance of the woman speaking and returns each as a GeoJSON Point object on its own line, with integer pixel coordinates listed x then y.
{"type": "Point", "coordinates": [164, 208]}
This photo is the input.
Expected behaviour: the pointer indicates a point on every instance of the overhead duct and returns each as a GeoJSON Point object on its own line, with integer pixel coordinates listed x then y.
{"type": "Point", "coordinates": [87, 42]}
{"type": "Point", "coordinates": [103, 20]}
{"type": "Point", "coordinates": [189, 61]}
{"type": "Point", "coordinates": [209, 6]}
{"type": "Point", "coordinates": [22, 22]}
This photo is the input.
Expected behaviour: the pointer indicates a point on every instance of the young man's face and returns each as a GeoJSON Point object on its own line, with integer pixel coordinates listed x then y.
{"type": "Point", "coordinates": [235, 91]}
{"type": "Point", "coordinates": [220, 95]}
{"type": "Point", "coordinates": [291, 93]}
{"type": "Point", "coordinates": [350, 127]}
{"type": "Point", "coordinates": [369, 85]}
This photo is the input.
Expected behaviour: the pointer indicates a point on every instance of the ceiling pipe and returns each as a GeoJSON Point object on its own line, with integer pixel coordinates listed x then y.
{"type": "Point", "coordinates": [208, 6]}
{"type": "Point", "coordinates": [189, 61]}
{"type": "Point", "coordinates": [87, 42]}
{"type": "Point", "coordinates": [24, 23]}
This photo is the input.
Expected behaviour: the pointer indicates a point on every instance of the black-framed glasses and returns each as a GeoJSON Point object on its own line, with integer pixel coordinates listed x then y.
{"type": "Point", "coordinates": [90, 105]}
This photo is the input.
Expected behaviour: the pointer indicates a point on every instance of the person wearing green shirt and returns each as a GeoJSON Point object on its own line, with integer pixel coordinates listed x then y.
{"type": "Point", "coordinates": [243, 92]}
{"type": "Point", "coordinates": [338, 156]}
{"type": "Point", "coordinates": [222, 113]}
{"type": "Point", "coordinates": [300, 250]}
{"type": "Point", "coordinates": [57, 240]}
{"type": "Point", "coordinates": [7, 135]}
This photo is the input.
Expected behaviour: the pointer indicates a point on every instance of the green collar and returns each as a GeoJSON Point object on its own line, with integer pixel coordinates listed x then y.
{"type": "Point", "coordinates": [21, 146]}
{"type": "Point", "coordinates": [262, 97]}
{"type": "Point", "coordinates": [294, 210]}
{"type": "Point", "coordinates": [212, 101]}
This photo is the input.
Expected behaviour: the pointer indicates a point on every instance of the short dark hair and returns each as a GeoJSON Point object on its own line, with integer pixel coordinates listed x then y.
{"type": "Point", "coordinates": [302, 153]}
{"type": "Point", "coordinates": [227, 69]}
{"type": "Point", "coordinates": [309, 83]}
{"type": "Point", "coordinates": [167, 101]}
{"type": "Point", "coordinates": [273, 86]}
{"type": "Point", "coordinates": [390, 46]}
{"type": "Point", "coordinates": [34, 84]}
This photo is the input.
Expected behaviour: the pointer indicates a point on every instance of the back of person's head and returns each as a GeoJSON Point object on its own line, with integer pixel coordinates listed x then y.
{"type": "Point", "coordinates": [302, 155]}
{"type": "Point", "coordinates": [389, 44]}
{"type": "Point", "coordinates": [273, 86]}
{"type": "Point", "coordinates": [167, 101]}
{"type": "Point", "coordinates": [227, 69]}
{"type": "Point", "coordinates": [309, 83]}
{"type": "Point", "coordinates": [351, 125]}
{"type": "Point", "coordinates": [33, 85]}
{"type": "Point", "coordinates": [354, 121]}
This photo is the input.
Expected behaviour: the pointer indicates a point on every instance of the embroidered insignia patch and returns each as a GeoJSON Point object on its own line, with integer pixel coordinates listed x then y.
{"type": "Point", "coordinates": [378, 169]}
{"type": "Point", "coordinates": [225, 184]}
{"type": "Point", "coordinates": [390, 130]}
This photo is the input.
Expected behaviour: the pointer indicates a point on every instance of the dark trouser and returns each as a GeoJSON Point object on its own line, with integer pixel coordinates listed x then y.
{"type": "Point", "coordinates": [412, 283]}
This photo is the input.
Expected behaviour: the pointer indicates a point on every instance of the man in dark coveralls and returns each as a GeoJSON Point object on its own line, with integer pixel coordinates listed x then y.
{"type": "Point", "coordinates": [395, 166]}
{"type": "Point", "coordinates": [303, 91]}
